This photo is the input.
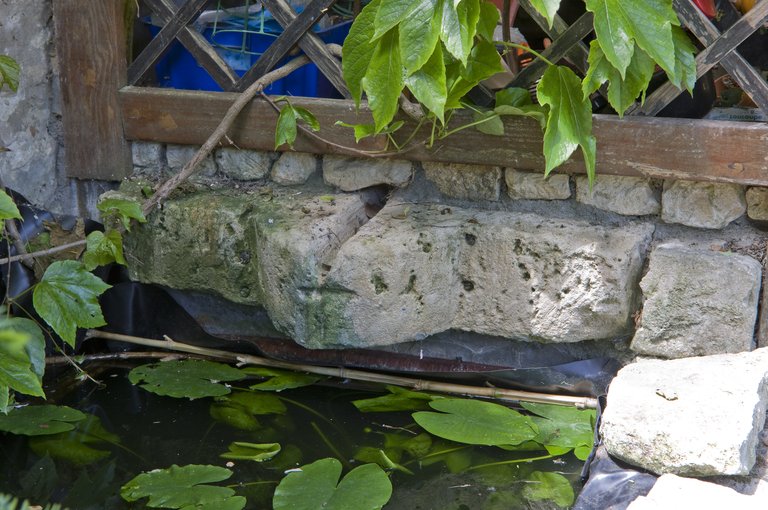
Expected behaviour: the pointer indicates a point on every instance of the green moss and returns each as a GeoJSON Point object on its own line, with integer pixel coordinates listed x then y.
{"type": "Point", "coordinates": [379, 285]}
{"type": "Point", "coordinates": [325, 318]}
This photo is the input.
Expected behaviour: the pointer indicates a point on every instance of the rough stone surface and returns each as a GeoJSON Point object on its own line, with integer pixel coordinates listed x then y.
{"type": "Point", "coordinates": [672, 492]}
{"type": "Point", "coordinates": [351, 174]}
{"type": "Point", "coordinates": [757, 203]}
{"type": "Point", "coordinates": [178, 155]}
{"type": "Point", "coordinates": [692, 417]}
{"type": "Point", "coordinates": [244, 165]}
{"type": "Point", "coordinates": [688, 310]}
{"type": "Point", "coordinates": [471, 182]}
{"type": "Point", "coordinates": [630, 196]}
{"type": "Point", "coordinates": [293, 168]}
{"type": "Point", "coordinates": [534, 186]}
{"type": "Point", "coordinates": [148, 155]}
{"type": "Point", "coordinates": [702, 204]}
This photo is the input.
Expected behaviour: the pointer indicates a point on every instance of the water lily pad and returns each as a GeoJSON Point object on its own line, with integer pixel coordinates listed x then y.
{"type": "Point", "coordinates": [186, 378]}
{"type": "Point", "coordinates": [241, 408]}
{"type": "Point", "coordinates": [40, 420]}
{"type": "Point", "coordinates": [563, 428]}
{"type": "Point", "coordinates": [314, 487]}
{"type": "Point", "coordinates": [398, 399]}
{"type": "Point", "coordinates": [476, 422]}
{"type": "Point", "coordinates": [257, 452]}
{"type": "Point", "coordinates": [279, 380]}
{"type": "Point", "coordinates": [78, 445]}
{"type": "Point", "coordinates": [381, 458]}
{"type": "Point", "coordinates": [549, 486]}
{"type": "Point", "coordinates": [181, 487]}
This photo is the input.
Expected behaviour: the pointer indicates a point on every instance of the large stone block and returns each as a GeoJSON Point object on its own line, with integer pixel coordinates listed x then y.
{"type": "Point", "coordinates": [471, 182]}
{"type": "Point", "coordinates": [702, 204]}
{"type": "Point", "coordinates": [179, 155]}
{"type": "Point", "coordinates": [630, 196]}
{"type": "Point", "coordinates": [534, 186]}
{"type": "Point", "coordinates": [351, 174]}
{"type": "Point", "coordinates": [757, 203]}
{"type": "Point", "coordinates": [692, 417]}
{"type": "Point", "coordinates": [293, 168]}
{"type": "Point", "coordinates": [244, 165]}
{"type": "Point", "coordinates": [697, 302]}
{"type": "Point", "coordinates": [672, 492]}
{"type": "Point", "coordinates": [148, 155]}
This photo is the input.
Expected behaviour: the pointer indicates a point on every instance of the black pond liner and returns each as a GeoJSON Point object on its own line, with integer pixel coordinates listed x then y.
{"type": "Point", "coordinates": [151, 311]}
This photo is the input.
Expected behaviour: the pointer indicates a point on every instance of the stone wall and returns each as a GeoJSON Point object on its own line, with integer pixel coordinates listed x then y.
{"type": "Point", "coordinates": [349, 252]}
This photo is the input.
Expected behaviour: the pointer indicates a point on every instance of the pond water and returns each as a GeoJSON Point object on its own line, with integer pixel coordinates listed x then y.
{"type": "Point", "coordinates": [138, 431]}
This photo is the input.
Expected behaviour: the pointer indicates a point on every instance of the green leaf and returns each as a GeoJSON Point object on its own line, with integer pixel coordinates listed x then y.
{"type": "Point", "coordinates": [483, 63]}
{"type": "Point", "coordinates": [307, 117]}
{"type": "Point", "coordinates": [279, 380]}
{"type": "Point", "coordinates": [185, 378]}
{"type": "Point", "coordinates": [549, 486]}
{"type": "Point", "coordinates": [469, 14]}
{"type": "Point", "coordinates": [314, 487]}
{"type": "Point", "coordinates": [622, 92]}
{"type": "Point", "coordinates": [489, 122]}
{"type": "Point", "coordinates": [562, 427]}
{"type": "Point", "coordinates": [476, 422]}
{"type": "Point", "coordinates": [361, 130]}
{"type": "Point", "coordinates": [390, 14]}
{"type": "Point", "coordinates": [285, 131]}
{"type": "Point", "coordinates": [450, 33]}
{"type": "Point", "coordinates": [181, 487]}
{"type": "Point", "coordinates": [75, 445]}
{"type": "Point", "coordinates": [489, 18]}
{"type": "Point", "coordinates": [419, 34]}
{"type": "Point", "coordinates": [685, 60]}
{"type": "Point", "coordinates": [380, 458]}
{"type": "Point", "coordinates": [257, 452]}
{"type": "Point", "coordinates": [102, 249]}
{"type": "Point", "coordinates": [359, 47]}
{"type": "Point", "coordinates": [6, 402]}
{"type": "Point", "coordinates": [399, 399]}
{"type": "Point", "coordinates": [569, 123]}
{"type": "Point", "coordinates": [22, 358]}
{"type": "Point", "coordinates": [428, 84]}
{"type": "Point", "coordinates": [384, 81]}
{"type": "Point", "coordinates": [123, 208]}
{"type": "Point", "coordinates": [8, 208]}
{"type": "Point", "coordinates": [534, 111]}
{"type": "Point", "coordinates": [67, 298]}
{"type": "Point", "coordinates": [547, 8]}
{"type": "Point", "coordinates": [40, 420]}
{"type": "Point", "coordinates": [9, 73]}
{"type": "Point", "coordinates": [240, 409]}
{"type": "Point", "coordinates": [513, 96]}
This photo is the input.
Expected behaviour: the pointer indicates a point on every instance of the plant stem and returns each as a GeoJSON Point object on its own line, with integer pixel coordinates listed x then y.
{"type": "Point", "coordinates": [513, 461]}
{"type": "Point", "coordinates": [526, 49]}
{"type": "Point", "coordinates": [330, 445]}
{"type": "Point", "coordinates": [42, 253]}
{"type": "Point", "coordinates": [465, 126]}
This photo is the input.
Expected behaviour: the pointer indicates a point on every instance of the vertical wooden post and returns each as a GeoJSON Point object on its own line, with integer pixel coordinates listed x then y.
{"type": "Point", "coordinates": [90, 44]}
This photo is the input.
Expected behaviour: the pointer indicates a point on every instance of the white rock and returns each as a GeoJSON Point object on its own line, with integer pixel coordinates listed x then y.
{"type": "Point", "coordinates": [470, 182]}
{"type": "Point", "coordinates": [672, 492]}
{"type": "Point", "coordinates": [244, 165]}
{"type": "Point", "coordinates": [293, 168]}
{"type": "Point", "coordinates": [757, 203]}
{"type": "Point", "coordinates": [688, 309]}
{"type": "Point", "coordinates": [350, 174]}
{"type": "Point", "coordinates": [702, 204]}
{"type": "Point", "coordinates": [534, 186]}
{"type": "Point", "coordinates": [692, 417]}
{"type": "Point", "coordinates": [622, 195]}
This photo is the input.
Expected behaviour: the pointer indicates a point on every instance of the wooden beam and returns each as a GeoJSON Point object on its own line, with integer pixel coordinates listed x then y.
{"type": "Point", "coordinates": [90, 45]}
{"type": "Point", "coordinates": [702, 150]}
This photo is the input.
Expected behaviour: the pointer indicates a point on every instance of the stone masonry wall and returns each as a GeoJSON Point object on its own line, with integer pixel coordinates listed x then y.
{"type": "Point", "coordinates": [355, 253]}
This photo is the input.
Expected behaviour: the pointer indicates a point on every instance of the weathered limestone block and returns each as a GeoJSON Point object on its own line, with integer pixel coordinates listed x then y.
{"type": "Point", "coordinates": [697, 302]}
{"type": "Point", "coordinates": [534, 186]}
{"type": "Point", "coordinates": [692, 416]}
{"type": "Point", "coordinates": [351, 174]}
{"type": "Point", "coordinates": [702, 204]}
{"type": "Point", "coordinates": [757, 203]}
{"type": "Point", "coordinates": [293, 168]}
{"type": "Point", "coordinates": [178, 155]}
{"type": "Point", "coordinates": [148, 156]}
{"type": "Point", "coordinates": [244, 165]}
{"type": "Point", "coordinates": [630, 196]}
{"type": "Point", "coordinates": [672, 492]}
{"type": "Point", "coordinates": [471, 182]}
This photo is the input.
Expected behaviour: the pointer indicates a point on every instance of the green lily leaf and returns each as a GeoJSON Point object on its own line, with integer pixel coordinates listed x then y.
{"type": "Point", "coordinates": [685, 60]}
{"type": "Point", "coordinates": [279, 380]}
{"type": "Point", "coordinates": [9, 73]}
{"type": "Point", "coordinates": [8, 209]}
{"type": "Point", "coordinates": [22, 359]}
{"type": "Point", "coordinates": [379, 457]}
{"type": "Point", "coordinates": [391, 13]}
{"type": "Point", "coordinates": [251, 451]}
{"type": "Point", "coordinates": [456, 458]}
{"type": "Point", "coordinates": [569, 123]}
{"type": "Point", "coordinates": [358, 49]}
{"type": "Point", "coordinates": [622, 93]}
{"type": "Point", "coordinates": [383, 81]}
{"type": "Point", "coordinates": [75, 445]}
{"type": "Point", "coordinates": [103, 249]}
{"type": "Point", "coordinates": [563, 427]}
{"type": "Point", "coordinates": [189, 378]}
{"type": "Point", "coordinates": [476, 422]}
{"type": "Point", "coordinates": [549, 486]}
{"type": "Point", "coordinates": [419, 34]}
{"type": "Point", "coordinates": [489, 122]}
{"type": "Point", "coordinates": [67, 298]}
{"type": "Point", "coordinates": [285, 131]}
{"type": "Point", "coordinates": [40, 420]}
{"type": "Point", "coordinates": [489, 18]}
{"type": "Point", "coordinates": [416, 446]}
{"type": "Point", "coordinates": [181, 487]}
{"type": "Point", "coordinates": [314, 487]}
{"type": "Point", "coordinates": [399, 399]}
{"type": "Point", "coordinates": [123, 208]}
{"type": "Point", "coordinates": [240, 409]}
{"type": "Point", "coordinates": [547, 8]}
{"type": "Point", "coordinates": [428, 85]}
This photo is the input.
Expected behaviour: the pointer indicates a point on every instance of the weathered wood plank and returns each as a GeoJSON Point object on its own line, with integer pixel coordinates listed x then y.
{"type": "Point", "coordinates": [701, 150]}
{"type": "Point", "coordinates": [90, 43]}
{"type": "Point", "coordinates": [284, 42]}
{"type": "Point", "coordinates": [580, 52]}
{"type": "Point", "coordinates": [159, 44]}
{"type": "Point", "coordinates": [198, 46]}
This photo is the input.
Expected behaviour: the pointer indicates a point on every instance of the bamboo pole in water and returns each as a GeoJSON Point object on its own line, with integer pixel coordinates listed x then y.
{"type": "Point", "coordinates": [359, 375]}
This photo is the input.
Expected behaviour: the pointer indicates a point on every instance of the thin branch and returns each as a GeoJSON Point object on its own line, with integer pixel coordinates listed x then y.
{"type": "Point", "coordinates": [360, 375]}
{"type": "Point", "coordinates": [42, 253]}
{"type": "Point", "coordinates": [112, 356]}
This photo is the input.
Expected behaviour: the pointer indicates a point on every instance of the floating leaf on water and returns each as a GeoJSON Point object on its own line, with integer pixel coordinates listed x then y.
{"type": "Point", "coordinates": [236, 417]}
{"type": "Point", "coordinates": [549, 486]}
{"type": "Point", "coordinates": [456, 458]}
{"type": "Point", "coordinates": [563, 428]}
{"type": "Point", "coordinates": [399, 399]}
{"type": "Point", "coordinates": [314, 486]}
{"type": "Point", "coordinates": [40, 420]}
{"type": "Point", "coordinates": [39, 483]}
{"type": "Point", "coordinates": [476, 422]}
{"type": "Point", "coordinates": [96, 489]}
{"type": "Point", "coordinates": [256, 452]}
{"type": "Point", "coordinates": [189, 378]}
{"type": "Point", "coordinates": [241, 408]}
{"type": "Point", "coordinates": [76, 445]}
{"type": "Point", "coordinates": [379, 457]}
{"type": "Point", "coordinates": [181, 487]}
{"type": "Point", "coordinates": [279, 380]}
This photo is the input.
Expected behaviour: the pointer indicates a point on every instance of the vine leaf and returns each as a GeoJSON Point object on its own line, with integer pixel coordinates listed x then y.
{"type": "Point", "coordinates": [428, 84]}
{"type": "Point", "coordinates": [67, 298]}
{"type": "Point", "coordinates": [22, 359]}
{"type": "Point", "coordinates": [287, 122]}
{"type": "Point", "coordinates": [489, 18]}
{"type": "Point", "coordinates": [384, 80]}
{"type": "Point", "coordinates": [314, 487]}
{"type": "Point", "coordinates": [358, 49]}
{"type": "Point", "coordinates": [182, 487]}
{"type": "Point", "coordinates": [40, 420]}
{"type": "Point", "coordinates": [547, 8]}
{"type": "Point", "coordinates": [685, 61]}
{"type": "Point", "coordinates": [8, 209]}
{"type": "Point", "coordinates": [450, 32]}
{"type": "Point", "coordinates": [102, 249]}
{"type": "Point", "coordinates": [125, 209]}
{"type": "Point", "coordinates": [391, 13]}
{"type": "Point", "coordinates": [419, 34]}
{"type": "Point", "coordinates": [9, 73]}
{"type": "Point", "coordinates": [569, 122]}
{"type": "Point", "coordinates": [517, 101]}
{"type": "Point", "coordinates": [189, 378]}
